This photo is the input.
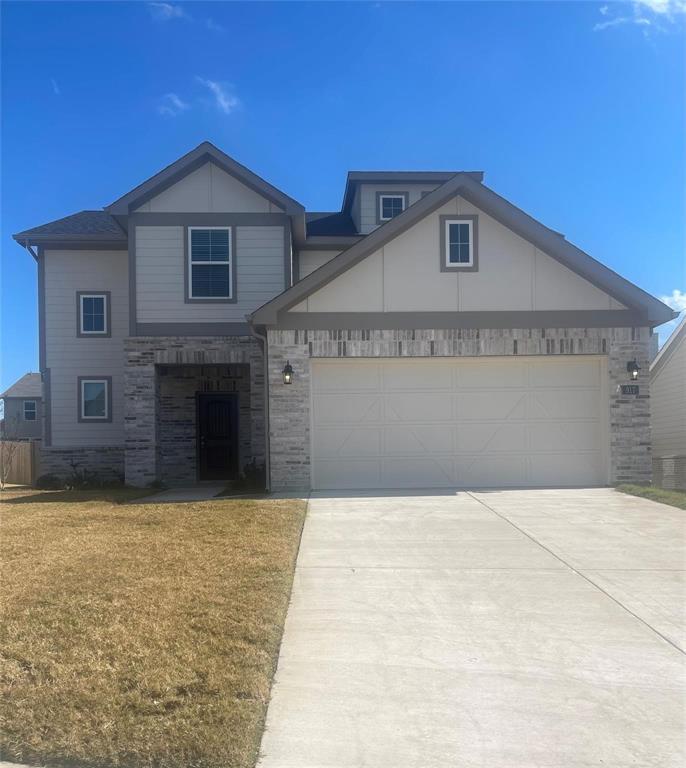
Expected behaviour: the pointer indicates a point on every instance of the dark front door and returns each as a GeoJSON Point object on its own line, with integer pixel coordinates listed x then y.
{"type": "Point", "coordinates": [217, 436]}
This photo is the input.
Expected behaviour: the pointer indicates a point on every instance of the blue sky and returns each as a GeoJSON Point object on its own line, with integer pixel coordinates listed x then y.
{"type": "Point", "coordinates": [575, 111]}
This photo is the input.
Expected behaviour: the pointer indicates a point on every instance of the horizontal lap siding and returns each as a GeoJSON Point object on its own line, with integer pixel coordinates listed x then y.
{"type": "Point", "coordinates": [368, 211]}
{"type": "Point", "coordinates": [160, 266]}
{"type": "Point", "coordinates": [69, 357]}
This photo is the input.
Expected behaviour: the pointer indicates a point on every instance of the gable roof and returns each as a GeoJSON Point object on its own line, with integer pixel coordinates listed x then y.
{"type": "Point", "coordinates": [669, 347]}
{"type": "Point", "coordinates": [28, 386]}
{"type": "Point", "coordinates": [90, 225]}
{"type": "Point", "coordinates": [203, 153]}
{"type": "Point", "coordinates": [465, 185]}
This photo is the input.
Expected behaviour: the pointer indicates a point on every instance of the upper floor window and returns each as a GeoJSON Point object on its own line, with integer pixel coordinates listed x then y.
{"type": "Point", "coordinates": [458, 238]}
{"type": "Point", "coordinates": [29, 410]}
{"type": "Point", "coordinates": [210, 264]}
{"type": "Point", "coordinates": [95, 399]}
{"type": "Point", "coordinates": [93, 313]}
{"type": "Point", "coordinates": [391, 205]}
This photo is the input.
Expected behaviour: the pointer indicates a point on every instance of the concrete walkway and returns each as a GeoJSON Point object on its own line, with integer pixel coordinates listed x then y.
{"type": "Point", "coordinates": [200, 492]}
{"type": "Point", "coordinates": [507, 629]}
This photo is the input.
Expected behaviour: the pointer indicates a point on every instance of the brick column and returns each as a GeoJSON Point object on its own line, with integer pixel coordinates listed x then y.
{"type": "Point", "coordinates": [289, 413]}
{"type": "Point", "coordinates": [140, 413]}
{"type": "Point", "coordinates": [630, 439]}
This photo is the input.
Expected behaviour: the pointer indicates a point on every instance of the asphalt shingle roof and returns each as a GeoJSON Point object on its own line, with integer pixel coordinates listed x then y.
{"type": "Point", "coordinates": [86, 223]}
{"type": "Point", "coordinates": [28, 386]}
{"type": "Point", "coordinates": [329, 223]}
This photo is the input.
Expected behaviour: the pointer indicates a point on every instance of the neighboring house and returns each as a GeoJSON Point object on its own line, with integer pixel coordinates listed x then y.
{"type": "Point", "coordinates": [23, 408]}
{"type": "Point", "coordinates": [428, 334]}
{"type": "Point", "coordinates": [668, 412]}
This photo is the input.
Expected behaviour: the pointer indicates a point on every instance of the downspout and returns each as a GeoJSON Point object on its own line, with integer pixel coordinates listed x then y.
{"type": "Point", "coordinates": [263, 342]}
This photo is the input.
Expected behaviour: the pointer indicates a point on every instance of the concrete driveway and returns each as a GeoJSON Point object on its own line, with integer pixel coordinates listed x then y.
{"type": "Point", "coordinates": [503, 629]}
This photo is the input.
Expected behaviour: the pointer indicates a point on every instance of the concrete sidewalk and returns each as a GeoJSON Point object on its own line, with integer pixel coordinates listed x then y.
{"type": "Point", "coordinates": [505, 629]}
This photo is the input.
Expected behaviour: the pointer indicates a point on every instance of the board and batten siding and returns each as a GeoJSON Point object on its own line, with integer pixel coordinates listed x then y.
{"type": "Point", "coordinates": [68, 356]}
{"type": "Point", "coordinates": [259, 262]}
{"type": "Point", "coordinates": [311, 260]}
{"type": "Point", "coordinates": [405, 276]}
{"type": "Point", "coordinates": [208, 189]}
{"type": "Point", "coordinates": [668, 403]}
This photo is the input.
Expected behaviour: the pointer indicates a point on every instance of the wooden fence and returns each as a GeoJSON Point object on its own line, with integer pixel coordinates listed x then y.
{"type": "Point", "coordinates": [20, 461]}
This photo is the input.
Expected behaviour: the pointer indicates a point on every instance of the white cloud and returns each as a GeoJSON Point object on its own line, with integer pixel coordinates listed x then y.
{"type": "Point", "coordinates": [172, 105]}
{"type": "Point", "coordinates": [224, 99]}
{"type": "Point", "coordinates": [166, 11]}
{"type": "Point", "coordinates": [55, 87]}
{"type": "Point", "coordinates": [676, 301]}
{"type": "Point", "coordinates": [212, 24]}
{"type": "Point", "coordinates": [649, 14]}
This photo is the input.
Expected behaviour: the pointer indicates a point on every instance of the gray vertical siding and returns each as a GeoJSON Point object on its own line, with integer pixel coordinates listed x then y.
{"type": "Point", "coordinates": [68, 356]}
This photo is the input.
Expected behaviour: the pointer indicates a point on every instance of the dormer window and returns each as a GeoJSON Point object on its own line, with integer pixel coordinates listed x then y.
{"type": "Point", "coordinates": [390, 205]}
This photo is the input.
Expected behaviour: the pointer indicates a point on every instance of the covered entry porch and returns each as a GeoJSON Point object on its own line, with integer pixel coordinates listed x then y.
{"type": "Point", "coordinates": [194, 409]}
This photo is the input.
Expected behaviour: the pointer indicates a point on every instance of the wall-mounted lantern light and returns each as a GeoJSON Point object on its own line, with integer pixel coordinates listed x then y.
{"type": "Point", "coordinates": [287, 372]}
{"type": "Point", "coordinates": [632, 368]}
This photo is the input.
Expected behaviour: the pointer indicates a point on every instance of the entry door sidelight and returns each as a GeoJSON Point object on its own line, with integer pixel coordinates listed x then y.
{"type": "Point", "coordinates": [217, 436]}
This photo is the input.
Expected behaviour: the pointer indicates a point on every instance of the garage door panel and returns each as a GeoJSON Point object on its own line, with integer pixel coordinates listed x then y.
{"type": "Point", "coordinates": [503, 373]}
{"type": "Point", "coordinates": [452, 422]}
{"type": "Point", "coordinates": [567, 373]}
{"type": "Point", "coordinates": [349, 473]}
{"type": "Point", "coordinates": [341, 378]}
{"type": "Point", "coordinates": [418, 439]}
{"type": "Point", "coordinates": [350, 408]}
{"type": "Point", "coordinates": [492, 436]}
{"type": "Point", "coordinates": [345, 442]}
{"type": "Point", "coordinates": [493, 471]}
{"type": "Point", "coordinates": [569, 469]}
{"type": "Point", "coordinates": [491, 404]}
{"type": "Point", "coordinates": [418, 406]}
{"type": "Point", "coordinates": [418, 472]}
{"type": "Point", "coordinates": [564, 403]}
{"type": "Point", "coordinates": [399, 377]}
{"type": "Point", "coordinates": [564, 436]}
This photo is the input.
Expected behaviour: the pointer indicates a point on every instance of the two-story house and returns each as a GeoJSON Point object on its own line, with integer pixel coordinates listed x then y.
{"type": "Point", "coordinates": [23, 409]}
{"type": "Point", "coordinates": [428, 334]}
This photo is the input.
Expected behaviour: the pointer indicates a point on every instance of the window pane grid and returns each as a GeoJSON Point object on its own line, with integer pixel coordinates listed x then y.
{"type": "Point", "coordinates": [30, 410]}
{"type": "Point", "coordinates": [93, 314]}
{"type": "Point", "coordinates": [459, 242]}
{"type": "Point", "coordinates": [210, 267]}
{"type": "Point", "coordinates": [392, 206]}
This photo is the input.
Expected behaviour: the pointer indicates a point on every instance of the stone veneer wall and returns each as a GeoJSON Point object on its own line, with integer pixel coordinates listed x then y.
{"type": "Point", "coordinates": [289, 406]}
{"type": "Point", "coordinates": [144, 395]}
{"type": "Point", "coordinates": [106, 462]}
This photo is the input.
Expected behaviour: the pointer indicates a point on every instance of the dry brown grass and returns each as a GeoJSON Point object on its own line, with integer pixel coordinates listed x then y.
{"type": "Point", "coordinates": [141, 635]}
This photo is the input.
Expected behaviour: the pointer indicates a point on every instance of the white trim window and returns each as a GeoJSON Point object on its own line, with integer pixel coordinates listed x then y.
{"type": "Point", "coordinates": [390, 206]}
{"type": "Point", "coordinates": [94, 399]}
{"type": "Point", "coordinates": [210, 263]}
{"type": "Point", "coordinates": [30, 410]}
{"type": "Point", "coordinates": [93, 314]}
{"type": "Point", "coordinates": [459, 243]}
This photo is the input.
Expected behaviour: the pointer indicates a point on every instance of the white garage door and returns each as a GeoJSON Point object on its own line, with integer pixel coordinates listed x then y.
{"type": "Point", "coordinates": [459, 422]}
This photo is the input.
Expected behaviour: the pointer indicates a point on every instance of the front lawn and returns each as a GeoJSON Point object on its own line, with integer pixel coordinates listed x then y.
{"type": "Point", "coordinates": [673, 498]}
{"type": "Point", "coordinates": [140, 635]}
